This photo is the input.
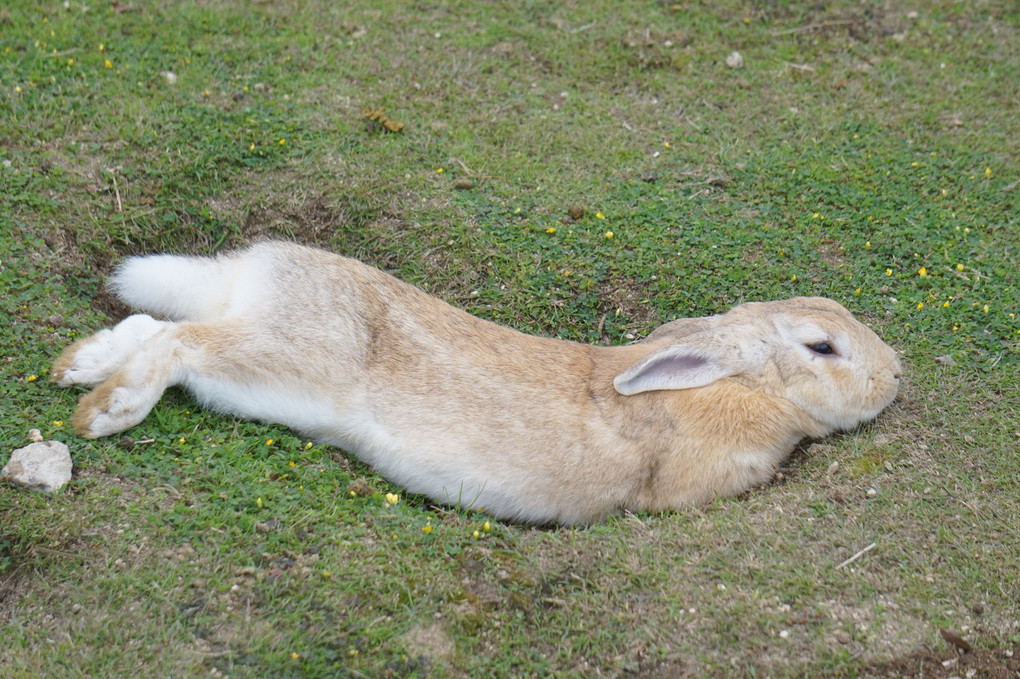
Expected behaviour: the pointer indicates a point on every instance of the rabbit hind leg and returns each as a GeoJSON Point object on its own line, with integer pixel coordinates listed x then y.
{"type": "Point", "coordinates": [93, 360]}
{"type": "Point", "coordinates": [176, 354]}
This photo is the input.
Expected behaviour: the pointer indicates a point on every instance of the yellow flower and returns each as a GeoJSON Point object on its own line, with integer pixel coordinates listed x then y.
{"type": "Point", "coordinates": [107, 64]}
{"type": "Point", "coordinates": [180, 441]}
{"type": "Point", "coordinates": [70, 62]}
{"type": "Point", "coordinates": [283, 142]}
{"type": "Point", "coordinates": [794, 279]}
{"type": "Point", "coordinates": [353, 494]}
{"type": "Point", "coordinates": [269, 442]}
{"type": "Point", "coordinates": [888, 272]}
{"type": "Point", "coordinates": [922, 272]}
{"type": "Point", "coordinates": [102, 47]}
{"type": "Point", "coordinates": [550, 230]}
{"type": "Point", "coordinates": [609, 234]}
{"type": "Point", "coordinates": [486, 526]}
{"type": "Point", "coordinates": [294, 655]}
{"type": "Point", "coordinates": [599, 215]}
{"type": "Point", "coordinates": [959, 267]}
{"type": "Point", "coordinates": [258, 502]}
{"type": "Point", "coordinates": [392, 498]}
{"type": "Point", "coordinates": [252, 147]}
{"type": "Point", "coordinates": [857, 291]}
{"type": "Point", "coordinates": [327, 574]}
{"type": "Point", "coordinates": [291, 464]}
{"type": "Point", "coordinates": [31, 378]}
{"type": "Point", "coordinates": [867, 245]}
{"type": "Point", "coordinates": [308, 445]}
{"type": "Point", "coordinates": [985, 308]}
{"type": "Point", "coordinates": [427, 528]}
{"type": "Point", "coordinates": [476, 535]}
{"type": "Point", "coordinates": [988, 172]}
{"type": "Point", "coordinates": [945, 305]}
{"type": "Point", "coordinates": [920, 305]}
{"type": "Point", "coordinates": [439, 170]}
{"type": "Point", "coordinates": [60, 423]}
{"type": "Point", "coordinates": [666, 144]}
{"type": "Point", "coordinates": [815, 215]}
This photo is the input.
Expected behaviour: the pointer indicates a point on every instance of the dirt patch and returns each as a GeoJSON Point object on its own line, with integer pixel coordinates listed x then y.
{"type": "Point", "coordinates": [428, 641]}
{"type": "Point", "coordinates": [980, 663]}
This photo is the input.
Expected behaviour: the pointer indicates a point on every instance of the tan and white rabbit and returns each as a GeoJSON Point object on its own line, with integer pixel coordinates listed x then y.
{"type": "Point", "coordinates": [468, 412]}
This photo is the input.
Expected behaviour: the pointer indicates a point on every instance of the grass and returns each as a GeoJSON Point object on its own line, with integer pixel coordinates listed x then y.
{"type": "Point", "coordinates": [860, 153]}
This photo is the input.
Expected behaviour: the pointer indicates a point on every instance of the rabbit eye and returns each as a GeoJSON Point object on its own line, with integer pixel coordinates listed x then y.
{"type": "Point", "coordinates": [823, 348]}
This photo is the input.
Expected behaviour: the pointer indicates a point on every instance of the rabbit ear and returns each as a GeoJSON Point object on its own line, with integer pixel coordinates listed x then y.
{"type": "Point", "coordinates": [672, 367]}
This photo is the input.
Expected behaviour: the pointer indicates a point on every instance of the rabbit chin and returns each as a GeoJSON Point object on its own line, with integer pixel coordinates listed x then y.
{"type": "Point", "coordinates": [842, 414]}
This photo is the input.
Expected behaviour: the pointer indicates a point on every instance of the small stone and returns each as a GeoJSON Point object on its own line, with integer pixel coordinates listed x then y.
{"type": "Point", "coordinates": [171, 77]}
{"type": "Point", "coordinates": [575, 212]}
{"type": "Point", "coordinates": [34, 435]}
{"type": "Point", "coordinates": [842, 636]}
{"type": "Point", "coordinates": [872, 492]}
{"type": "Point", "coordinates": [833, 468]}
{"type": "Point", "coordinates": [43, 465]}
{"type": "Point", "coordinates": [463, 183]}
{"type": "Point", "coordinates": [734, 60]}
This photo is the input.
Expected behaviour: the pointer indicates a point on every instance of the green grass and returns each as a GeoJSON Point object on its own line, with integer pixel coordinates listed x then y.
{"type": "Point", "coordinates": [855, 149]}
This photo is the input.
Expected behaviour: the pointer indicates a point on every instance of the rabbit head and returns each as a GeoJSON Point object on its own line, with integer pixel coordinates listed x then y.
{"type": "Point", "coordinates": [807, 350]}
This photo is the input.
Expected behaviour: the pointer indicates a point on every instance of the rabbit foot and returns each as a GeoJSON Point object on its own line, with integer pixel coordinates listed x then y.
{"type": "Point", "coordinates": [93, 360]}
{"type": "Point", "coordinates": [110, 408]}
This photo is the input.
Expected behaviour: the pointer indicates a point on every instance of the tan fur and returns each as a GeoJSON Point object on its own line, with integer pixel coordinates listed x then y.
{"type": "Point", "coordinates": [473, 413]}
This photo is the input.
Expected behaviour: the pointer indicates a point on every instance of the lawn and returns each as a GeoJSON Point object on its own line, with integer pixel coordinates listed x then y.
{"type": "Point", "coordinates": [580, 170]}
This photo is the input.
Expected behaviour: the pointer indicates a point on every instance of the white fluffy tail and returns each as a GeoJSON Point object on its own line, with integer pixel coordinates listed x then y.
{"type": "Point", "coordinates": [182, 288]}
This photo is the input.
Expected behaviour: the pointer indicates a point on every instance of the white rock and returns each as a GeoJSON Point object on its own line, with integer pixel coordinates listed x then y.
{"type": "Point", "coordinates": [734, 60]}
{"type": "Point", "coordinates": [171, 77]}
{"type": "Point", "coordinates": [44, 466]}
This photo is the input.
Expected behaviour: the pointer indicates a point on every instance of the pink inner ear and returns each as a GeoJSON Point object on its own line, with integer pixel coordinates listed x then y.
{"type": "Point", "coordinates": [676, 369]}
{"type": "Point", "coordinates": [677, 366]}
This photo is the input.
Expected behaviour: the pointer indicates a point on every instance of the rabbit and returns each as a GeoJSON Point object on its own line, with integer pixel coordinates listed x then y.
{"type": "Point", "coordinates": [470, 413]}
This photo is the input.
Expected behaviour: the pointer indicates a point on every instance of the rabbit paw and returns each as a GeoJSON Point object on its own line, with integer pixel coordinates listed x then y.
{"type": "Point", "coordinates": [93, 360]}
{"type": "Point", "coordinates": [110, 408]}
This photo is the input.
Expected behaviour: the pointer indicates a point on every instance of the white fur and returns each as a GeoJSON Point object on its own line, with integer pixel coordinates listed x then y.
{"type": "Point", "coordinates": [108, 350]}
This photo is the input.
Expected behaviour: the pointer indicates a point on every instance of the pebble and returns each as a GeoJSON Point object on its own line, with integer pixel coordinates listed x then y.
{"type": "Point", "coordinates": [42, 465]}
